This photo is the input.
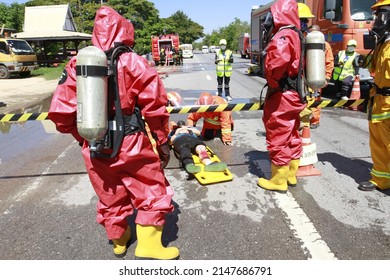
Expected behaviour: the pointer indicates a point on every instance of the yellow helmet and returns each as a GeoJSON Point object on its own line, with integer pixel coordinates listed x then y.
{"type": "Point", "coordinates": [380, 3]}
{"type": "Point", "coordinates": [304, 11]}
{"type": "Point", "coordinates": [352, 43]}
{"type": "Point", "coordinates": [222, 42]}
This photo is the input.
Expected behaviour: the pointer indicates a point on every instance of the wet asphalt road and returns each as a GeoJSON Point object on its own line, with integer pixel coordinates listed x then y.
{"type": "Point", "coordinates": [47, 208]}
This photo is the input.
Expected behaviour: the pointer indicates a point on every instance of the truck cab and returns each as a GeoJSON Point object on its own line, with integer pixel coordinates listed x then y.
{"type": "Point", "coordinates": [16, 57]}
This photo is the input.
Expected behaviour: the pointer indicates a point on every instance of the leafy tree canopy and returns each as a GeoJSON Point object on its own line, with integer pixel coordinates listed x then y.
{"type": "Point", "coordinates": [142, 13]}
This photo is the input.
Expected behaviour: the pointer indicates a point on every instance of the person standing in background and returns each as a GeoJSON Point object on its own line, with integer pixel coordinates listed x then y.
{"type": "Point", "coordinates": [347, 63]}
{"type": "Point", "coordinates": [224, 60]}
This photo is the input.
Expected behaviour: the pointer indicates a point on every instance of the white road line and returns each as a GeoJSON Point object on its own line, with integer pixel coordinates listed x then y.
{"type": "Point", "coordinates": [303, 228]}
{"type": "Point", "coordinates": [208, 77]}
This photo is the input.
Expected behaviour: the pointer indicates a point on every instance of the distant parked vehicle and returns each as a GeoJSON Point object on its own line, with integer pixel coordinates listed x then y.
{"type": "Point", "coordinates": [212, 49]}
{"type": "Point", "coordinates": [205, 49]}
{"type": "Point", "coordinates": [16, 57]}
{"type": "Point", "coordinates": [187, 50]}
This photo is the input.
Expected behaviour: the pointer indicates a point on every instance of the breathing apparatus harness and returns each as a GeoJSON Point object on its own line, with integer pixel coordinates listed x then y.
{"type": "Point", "coordinates": [119, 124]}
{"type": "Point", "coordinates": [291, 83]}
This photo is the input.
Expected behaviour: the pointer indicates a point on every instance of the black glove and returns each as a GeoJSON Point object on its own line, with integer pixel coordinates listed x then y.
{"type": "Point", "coordinates": [164, 153]}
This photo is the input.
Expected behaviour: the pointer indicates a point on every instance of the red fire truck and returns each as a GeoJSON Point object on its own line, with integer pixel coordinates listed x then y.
{"type": "Point", "coordinates": [244, 45]}
{"type": "Point", "coordinates": [165, 42]}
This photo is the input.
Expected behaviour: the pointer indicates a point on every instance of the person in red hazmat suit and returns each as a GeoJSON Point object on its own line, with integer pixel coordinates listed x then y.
{"type": "Point", "coordinates": [214, 123]}
{"type": "Point", "coordinates": [134, 178]}
{"type": "Point", "coordinates": [379, 102]}
{"type": "Point", "coordinates": [283, 102]}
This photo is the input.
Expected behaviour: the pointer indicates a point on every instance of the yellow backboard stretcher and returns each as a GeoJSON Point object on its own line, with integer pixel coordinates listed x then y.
{"type": "Point", "coordinates": [206, 178]}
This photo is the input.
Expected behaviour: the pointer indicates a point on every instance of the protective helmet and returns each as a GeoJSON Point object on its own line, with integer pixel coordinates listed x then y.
{"type": "Point", "coordinates": [352, 43]}
{"type": "Point", "coordinates": [174, 98]}
{"type": "Point", "coordinates": [379, 4]}
{"type": "Point", "coordinates": [205, 98]}
{"type": "Point", "coordinates": [304, 11]}
{"type": "Point", "coordinates": [222, 42]}
{"type": "Point", "coordinates": [382, 18]}
{"type": "Point", "coordinates": [268, 25]}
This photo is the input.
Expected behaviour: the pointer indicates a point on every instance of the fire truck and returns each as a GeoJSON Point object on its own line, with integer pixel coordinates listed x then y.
{"type": "Point", "coordinates": [339, 20]}
{"type": "Point", "coordinates": [166, 42]}
{"type": "Point", "coordinates": [244, 45]}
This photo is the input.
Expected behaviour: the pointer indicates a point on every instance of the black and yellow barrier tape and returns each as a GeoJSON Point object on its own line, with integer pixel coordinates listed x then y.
{"type": "Point", "coordinates": [198, 109]}
{"type": "Point", "coordinates": [23, 117]}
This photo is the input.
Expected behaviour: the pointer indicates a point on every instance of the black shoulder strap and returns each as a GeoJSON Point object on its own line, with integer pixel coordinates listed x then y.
{"type": "Point", "coordinates": [113, 55]}
{"type": "Point", "coordinates": [301, 73]}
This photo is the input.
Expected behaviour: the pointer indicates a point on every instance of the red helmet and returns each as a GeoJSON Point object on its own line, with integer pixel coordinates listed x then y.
{"type": "Point", "coordinates": [174, 98]}
{"type": "Point", "coordinates": [205, 98]}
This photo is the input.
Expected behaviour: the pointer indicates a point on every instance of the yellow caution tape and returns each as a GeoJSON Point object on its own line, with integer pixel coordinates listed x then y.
{"type": "Point", "coordinates": [196, 109]}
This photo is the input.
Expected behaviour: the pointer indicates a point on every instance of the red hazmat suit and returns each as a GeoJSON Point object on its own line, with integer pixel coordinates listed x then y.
{"type": "Point", "coordinates": [132, 179]}
{"type": "Point", "coordinates": [281, 109]}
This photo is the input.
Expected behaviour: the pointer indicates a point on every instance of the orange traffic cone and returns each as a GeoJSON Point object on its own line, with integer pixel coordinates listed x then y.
{"type": "Point", "coordinates": [309, 156]}
{"type": "Point", "coordinates": [355, 93]}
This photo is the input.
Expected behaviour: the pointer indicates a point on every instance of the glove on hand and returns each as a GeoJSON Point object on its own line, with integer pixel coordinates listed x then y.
{"type": "Point", "coordinates": [164, 153]}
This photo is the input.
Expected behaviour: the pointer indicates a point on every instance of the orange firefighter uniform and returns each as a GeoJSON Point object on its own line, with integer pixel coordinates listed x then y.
{"type": "Point", "coordinates": [214, 122]}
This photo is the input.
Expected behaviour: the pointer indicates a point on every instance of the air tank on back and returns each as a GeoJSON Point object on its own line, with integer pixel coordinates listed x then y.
{"type": "Point", "coordinates": [91, 71]}
{"type": "Point", "coordinates": [315, 60]}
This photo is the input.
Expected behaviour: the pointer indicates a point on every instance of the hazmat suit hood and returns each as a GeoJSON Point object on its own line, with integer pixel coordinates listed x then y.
{"type": "Point", "coordinates": [109, 28]}
{"type": "Point", "coordinates": [285, 12]}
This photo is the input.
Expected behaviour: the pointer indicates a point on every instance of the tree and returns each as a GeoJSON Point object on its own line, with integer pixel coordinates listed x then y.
{"type": "Point", "coordinates": [188, 30]}
{"type": "Point", "coordinates": [12, 17]}
{"type": "Point", "coordinates": [142, 13]}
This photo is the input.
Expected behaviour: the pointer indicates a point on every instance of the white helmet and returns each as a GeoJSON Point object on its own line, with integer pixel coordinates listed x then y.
{"type": "Point", "coordinates": [222, 42]}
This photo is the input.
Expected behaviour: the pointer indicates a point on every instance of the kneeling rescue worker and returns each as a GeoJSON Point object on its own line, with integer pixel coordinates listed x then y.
{"type": "Point", "coordinates": [128, 175]}
{"type": "Point", "coordinates": [215, 124]}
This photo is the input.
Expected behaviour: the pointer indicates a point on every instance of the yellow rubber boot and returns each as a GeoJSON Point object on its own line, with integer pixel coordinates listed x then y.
{"type": "Point", "coordinates": [278, 182]}
{"type": "Point", "coordinates": [149, 245]}
{"type": "Point", "coordinates": [292, 173]}
{"type": "Point", "coordinates": [120, 245]}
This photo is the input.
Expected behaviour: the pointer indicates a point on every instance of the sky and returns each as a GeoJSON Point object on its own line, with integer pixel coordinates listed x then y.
{"type": "Point", "coordinates": [211, 14]}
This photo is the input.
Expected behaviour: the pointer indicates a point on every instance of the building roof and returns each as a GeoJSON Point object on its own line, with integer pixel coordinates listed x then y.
{"type": "Point", "coordinates": [54, 22]}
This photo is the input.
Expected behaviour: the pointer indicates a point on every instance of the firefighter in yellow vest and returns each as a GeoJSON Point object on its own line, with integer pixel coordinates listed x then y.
{"type": "Point", "coordinates": [347, 63]}
{"type": "Point", "coordinates": [224, 60]}
{"type": "Point", "coordinates": [379, 104]}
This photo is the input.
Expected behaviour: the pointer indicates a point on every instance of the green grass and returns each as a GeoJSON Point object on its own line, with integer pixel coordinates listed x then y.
{"type": "Point", "coordinates": [49, 73]}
